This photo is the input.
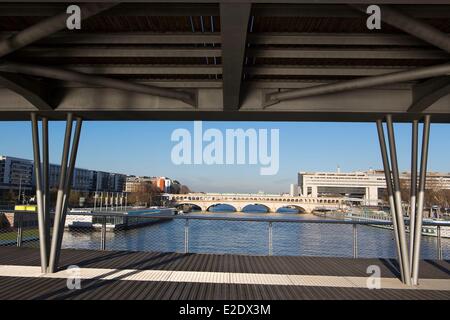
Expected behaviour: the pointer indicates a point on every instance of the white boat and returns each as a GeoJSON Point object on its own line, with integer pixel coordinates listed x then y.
{"type": "Point", "coordinates": [431, 231]}
{"type": "Point", "coordinates": [129, 219]}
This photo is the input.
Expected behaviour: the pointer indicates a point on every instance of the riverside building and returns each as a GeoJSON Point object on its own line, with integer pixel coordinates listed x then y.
{"type": "Point", "coordinates": [368, 185]}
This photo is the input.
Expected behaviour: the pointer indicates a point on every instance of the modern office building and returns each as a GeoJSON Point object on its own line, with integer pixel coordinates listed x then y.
{"type": "Point", "coordinates": [83, 179]}
{"type": "Point", "coordinates": [367, 185]}
{"type": "Point", "coordinates": [294, 190]}
{"type": "Point", "coordinates": [161, 184]}
{"type": "Point", "coordinates": [15, 174]}
{"type": "Point", "coordinates": [167, 185]}
{"type": "Point", "coordinates": [164, 184]}
{"type": "Point", "coordinates": [138, 184]}
{"type": "Point", "coordinates": [109, 182]}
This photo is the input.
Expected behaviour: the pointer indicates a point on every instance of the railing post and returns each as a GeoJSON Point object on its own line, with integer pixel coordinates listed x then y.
{"type": "Point", "coordinates": [439, 243]}
{"type": "Point", "coordinates": [103, 234]}
{"type": "Point", "coordinates": [270, 238]}
{"type": "Point", "coordinates": [19, 230]}
{"type": "Point", "coordinates": [186, 236]}
{"type": "Point", "coordinates": [355, 241]}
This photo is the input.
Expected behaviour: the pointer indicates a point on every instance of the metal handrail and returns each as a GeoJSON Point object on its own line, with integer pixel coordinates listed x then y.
{"type": "Point", "coordinates": [254, 219]}
{"type": "Point", "coordinates": [269, 220]}
{"type": "Point", "coordinates": [228, 218]}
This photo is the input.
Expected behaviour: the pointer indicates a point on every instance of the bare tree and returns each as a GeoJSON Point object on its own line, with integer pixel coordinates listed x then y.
{"type": "Point", "coordinates": [144, 195]}
{"type": "Point", "coordinates": [184, 189]}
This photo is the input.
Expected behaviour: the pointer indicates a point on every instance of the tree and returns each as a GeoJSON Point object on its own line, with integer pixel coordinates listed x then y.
{"type": "Point", "coordinates": [146, 194]}
{"type": "Point", "coordinates": [184, 189]}
{"type": "Point", "coordinates": [11, 196]}
{"type": "Point", "coordinates": [435, 194]}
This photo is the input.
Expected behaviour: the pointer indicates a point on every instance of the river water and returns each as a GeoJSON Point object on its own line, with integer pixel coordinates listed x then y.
{"type": "Point", "coordinates": [252, 238]}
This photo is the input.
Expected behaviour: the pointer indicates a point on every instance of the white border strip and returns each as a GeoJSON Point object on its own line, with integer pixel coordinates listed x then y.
{"type": "Point", "coordinates": [222, 277]}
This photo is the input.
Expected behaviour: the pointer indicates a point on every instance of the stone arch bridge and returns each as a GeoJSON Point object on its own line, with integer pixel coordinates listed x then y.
{"type": "Point", "coordinates": [272, 202]}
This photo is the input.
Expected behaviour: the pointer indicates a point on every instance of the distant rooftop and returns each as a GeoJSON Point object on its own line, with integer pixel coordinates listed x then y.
{"type": "Point", "coordinates": [368, 172]}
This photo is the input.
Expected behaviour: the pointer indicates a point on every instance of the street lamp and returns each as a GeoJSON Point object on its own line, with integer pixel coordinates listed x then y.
{"type": "Point", "coordinates": [20, 187]}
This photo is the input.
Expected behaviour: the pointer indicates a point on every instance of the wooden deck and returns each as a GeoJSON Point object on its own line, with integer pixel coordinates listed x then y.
{"type": "Point", "coordinates": [153, 275]}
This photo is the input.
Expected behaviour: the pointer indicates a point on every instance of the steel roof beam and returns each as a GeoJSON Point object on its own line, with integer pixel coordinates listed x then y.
{"type": "Point", "coordinates": [36, 92]}
{"type": "Point", "coordinates": [163, 83]}
{"type": "Point", "coordinates": [337, 39]}
{"type": "Point", "coordinates": [361, 83]}
{"type": "Point", "coordinates": [250, 84]}
{"type": "Point", "coordinates": [113, 51]}
{"type": "Point", "coordinates": [133, 38]}
{"type": "Point", "coordinates": [353, 53]}
{"type": "Point", "coordinates": [403, 22]}
{"type": "Point", "coordinates": [146, 69]}
{"type": "Point", "coordinates": [168, 115]}
{"type": "Point", "coordinates": [341, 11]}
{"type": "Point", "coordinates": [124, 9]}
{"type": "Point", "coordinates": [211, 9]}
{"type": "Point", "coordinates": [103, 101]}
{"type": "Point", "coordinates": [68, 75]}
{"type": "Point", "coordinates": [47, 27]}
{"type": "Point", "coordinates": [234, 20]}
{"type": "Point", "coordinates": [294, 70]}
{"type": "Point", "coordinates": [265, 38]}
{"type": "Point", "coordinates": [412, 26]}
{"type": "Point", "coordinates": [428, 92]}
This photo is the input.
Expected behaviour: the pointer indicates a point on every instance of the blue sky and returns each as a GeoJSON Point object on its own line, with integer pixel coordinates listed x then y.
{"type": "Point", "coordinates": [144, 148]}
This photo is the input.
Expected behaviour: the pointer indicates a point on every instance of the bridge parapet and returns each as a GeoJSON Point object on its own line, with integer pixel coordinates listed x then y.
{"type": "Point", "coordinates": [272, 202]}
{"type": "Point", "coordinates": [284, 199]}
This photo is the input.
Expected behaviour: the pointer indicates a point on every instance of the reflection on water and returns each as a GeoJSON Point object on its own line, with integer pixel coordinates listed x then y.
{"type": "Point", "coordinates": [245, 237]}
{"type": "Point", "coordinates": [251, 208]}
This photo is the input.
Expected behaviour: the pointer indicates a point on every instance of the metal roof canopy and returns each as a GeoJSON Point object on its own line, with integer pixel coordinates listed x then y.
{"type": "Point", "coordinates": [220, 60]}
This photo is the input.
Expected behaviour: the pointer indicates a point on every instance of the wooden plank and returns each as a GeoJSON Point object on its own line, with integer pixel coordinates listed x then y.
{"type": "Point", "coordinates": [220, 263]}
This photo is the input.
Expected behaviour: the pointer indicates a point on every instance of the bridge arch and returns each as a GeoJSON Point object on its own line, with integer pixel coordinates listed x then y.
{"type": "Point", "coordinates": [247, 205]}
{"type": "Point", "coordinates": [192, 205]}
{"type": "Point", "coordinates": [300, 210]}
{"type": "Point", "coordinates": [208, 208]}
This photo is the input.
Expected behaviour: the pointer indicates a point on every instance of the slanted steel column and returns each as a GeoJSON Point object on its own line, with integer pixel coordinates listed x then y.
{"type": "Point", "coordinates": [398, 202]}
{"type": "Point", "coordinates": [415, 27]}
{"type": "Point", "coordinates": [39, 199]}
{"type": "Point", "coordinates": [45, 180]}
{"type": "Point", "coordinates": [74, 76]}
{"type": "Point", "coordinates": [420, 200]}
{"type": "Point", "coordinates": [68, 186]}
{"type": "Point", "coordinates": [361, 83]}
{"type": "Point", "coordinates": [60, 196]}
{"type": "Point", "coordinates": [413, 189]}
{"type": "Point", "coordinates": [47, 27]}
{"type": "Point", "coordinates": [387, 175]}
